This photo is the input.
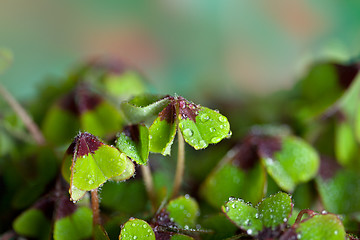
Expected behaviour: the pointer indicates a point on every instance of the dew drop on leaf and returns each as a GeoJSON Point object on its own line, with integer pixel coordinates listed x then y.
{"type": "Point", "coordinates": [249, 231]}
{"type": "Point", "coordinates": [227, 209]}
{"type": "Point", "coordinates": [222, 119]}
{"type": "Point", "coordinates": [204, 118]}
{"type": "Point", "coordinates": [202, 143]}
{"type": "Point", "coordinates": [188, 132]}
{"type": "Point", "coordinates": [215, 140]}
{"type": "Point", "coordinates": [212, 129]}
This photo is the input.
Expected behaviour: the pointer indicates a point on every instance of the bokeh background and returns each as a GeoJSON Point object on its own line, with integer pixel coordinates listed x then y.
{"type": "Point", "coordinates": [197, 48]}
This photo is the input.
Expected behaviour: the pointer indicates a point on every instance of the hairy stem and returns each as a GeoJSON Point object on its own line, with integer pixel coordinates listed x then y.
{"type": "Point", "coordinates": [149, 185]}
{"type": "Point", "coordinates": [180, 166]}
{"type": "Point", "coordinates": [20, 111]}
{"type": "Point", "coordinates": [95, 207]}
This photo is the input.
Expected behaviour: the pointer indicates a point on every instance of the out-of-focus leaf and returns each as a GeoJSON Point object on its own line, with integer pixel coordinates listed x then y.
{"type": "Point", "coordinates": [124, 85]}
{"type": "Point", "coordinates": [136, 229]}
{"type": "Point", "coordinates": [338, 188]}
{"type": "Point", "coordinates": [77, 225]}
{"type": "Point", "coordinates": [221, 226]}
{"type": "Point", "coordinates": [345, 144]}
{"type": "Point", "coordinates": [80, 109]}
{"type": "Point", "coordinates": [321, 226]}
{"type": "Point", "coordinates": [184, 211]}
{"type": "Point", "coordinates": [36, 221]}
{"type": "Point", "coordinates": [134, 142]}
{"type": "Point", "coordinates": [99, 233]}
{"type": "Point", "coordinates": [231, 180]}
{"type": "Point", "coordinates": [126, 197]}
{"type": "Point", "coordinates": [295, 162]}
{"type": "Point", "coordinates": [32, 223]}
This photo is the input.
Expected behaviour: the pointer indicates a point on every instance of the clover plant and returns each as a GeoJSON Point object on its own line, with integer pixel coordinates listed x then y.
{"type": "Point", "coordinates": [81, 160]}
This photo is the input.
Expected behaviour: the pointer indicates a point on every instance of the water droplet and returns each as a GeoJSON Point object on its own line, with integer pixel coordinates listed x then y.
{"type": "Point", "coordinates": [148, 230]}
{"type": "Point", "coordinates": [204, 117]}
{"type": "Point", "coordinates": [222, 119]}
{"type": "Point", "coordinates": [222, 126]}
{"type": "Point", "coordinates": [186, 227]}
{"type": "Point", "coordinates": [256, 215]}
{"type": "Point", "coordinates": [90, 181]}
{"type": "Point", "coordinates": [285, 219]}
{"type": "Point", "coordinates": [298, 236]}
{"type": "Point", "coordinates": [227, 209]}
{"type": "Point", "coordinates": [229, 134]}
{"type": "Point", "coordinates": [133, 224]}
{"type": "Point", "coordinates": [324, 212]}
{"type": "Point", "coordinates": [202, 143]}
{"type": "Point", "coordinates": [135, 237]}
{"type": "Point", "coordinates": [188, 132]}
{"type": "Point", "coordinates": [193, 141]}
{"type": "Point", "coordinates": [212, 129]}
{"type": "Point", "coordinates": [249, 231]}
{"type": "Point", "coordinates": [335, 232]}
{"type": "Point", "coordinates": [187, 196]}
{"type": "Point", "coordinates": [233, 205]}
{"type": "Point", "coordinates": [215, 140]}
{"type": "Point", "coordinates": [144, 225]}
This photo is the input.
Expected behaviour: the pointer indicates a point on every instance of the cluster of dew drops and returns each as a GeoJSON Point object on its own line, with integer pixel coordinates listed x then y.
{"type": "Point", "coordinates": [204, 118]}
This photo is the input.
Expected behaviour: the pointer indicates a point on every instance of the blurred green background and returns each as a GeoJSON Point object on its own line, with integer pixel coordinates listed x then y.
{"type": "Point", "coordinates": [197, 48]}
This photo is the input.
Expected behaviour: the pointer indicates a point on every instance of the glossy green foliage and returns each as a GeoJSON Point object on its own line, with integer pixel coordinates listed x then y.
{"type": "Point", "coordinates": [199, 126]}
{"type": "Point", "coordinates": [144, 108]}
{"type": "Point", "coordinates": [294, 163]}
{"type": "Point", "coordinates": [243, 215]}
{"type": "Point", "coordinates": [76, 226]}
{"type": "Point", "coordinates": [183, 211]}
{"type": "Point", "coordinates": [93, 163]}
{"type": "Point", "coordinates": [275, 209]}
{"type": "Point", "coordinates": [321, 226]}
{"type": "Point", "coordinates": [127, 173]}
{"type": "Point", "coordinates": [162, 136]}
{"type": "Point", "coordinates": [340, 192]}
{"type": "Point", "coordinates": [134, 142]}
{"type": "Point", "coordinates": [136, 229]}
{"type": "Point", "coordinates": [270, 213]}
{"type": "Point", "coordinates": [231, 180]}
{"type": "Point", "coordinates": [209, 127]}
{"type": "Point", "coordinates": [32, 223]}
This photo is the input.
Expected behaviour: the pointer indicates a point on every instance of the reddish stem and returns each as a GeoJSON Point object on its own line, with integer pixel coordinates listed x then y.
{"type": "Point", "coordinates": [95, 207]}
{"type": "Point", "coordinates": [302, 212]}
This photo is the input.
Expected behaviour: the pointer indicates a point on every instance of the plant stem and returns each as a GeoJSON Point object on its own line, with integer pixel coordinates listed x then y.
{"type": "Point", "coordinates": [95, 207]}
{"type": "Point", "coordinates": [20, 111]}
{"type": "Point", "coordinates": [149, 185]}
{"type": "Point", "coordinates": [180, 166]}
{"type": "Point", "coordinates": [302, 212]}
